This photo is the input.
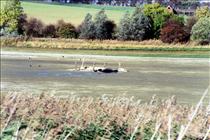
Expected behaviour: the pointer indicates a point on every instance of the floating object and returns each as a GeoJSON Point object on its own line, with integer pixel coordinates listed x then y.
{"type": "Point", "coordinates": [93, 68]}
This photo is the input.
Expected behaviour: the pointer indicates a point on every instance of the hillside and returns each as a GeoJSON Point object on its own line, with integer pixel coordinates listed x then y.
{"type": "Point", "coordinates": [75, 13]}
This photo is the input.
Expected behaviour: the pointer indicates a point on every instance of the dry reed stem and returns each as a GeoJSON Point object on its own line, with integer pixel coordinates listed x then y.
{"type": "Point", "coordinates": [183, 132]}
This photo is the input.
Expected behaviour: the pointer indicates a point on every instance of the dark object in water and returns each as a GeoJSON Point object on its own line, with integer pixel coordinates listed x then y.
{"type": "Point", "coordinates": [107, 70]}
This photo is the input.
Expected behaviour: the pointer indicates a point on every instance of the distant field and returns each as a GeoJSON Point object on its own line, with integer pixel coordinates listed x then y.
{"type": "Point", "coordinates": [74, 13]}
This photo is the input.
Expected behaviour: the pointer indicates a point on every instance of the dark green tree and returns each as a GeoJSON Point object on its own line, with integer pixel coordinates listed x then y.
{"type": "Point", "coordinates": [124, 28]}
{"type": "Point", "coordinates": [87, 28]}
{"type": "Point", "coordinates": [136, 27]}
{"type": "Point", "coordinates": [140, 27]}
{"type": "Point", "coordinates": [100, 28]}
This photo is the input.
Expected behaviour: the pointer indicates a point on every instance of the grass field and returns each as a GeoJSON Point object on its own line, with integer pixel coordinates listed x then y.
{"type": "Point", "coordinates": [109, 47]}
{"type": "Point", "coordinates": [74, 13]}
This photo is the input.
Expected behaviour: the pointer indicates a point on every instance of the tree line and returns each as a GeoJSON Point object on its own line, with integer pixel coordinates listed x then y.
{"type": "Point", "coordinates": [153, 21]}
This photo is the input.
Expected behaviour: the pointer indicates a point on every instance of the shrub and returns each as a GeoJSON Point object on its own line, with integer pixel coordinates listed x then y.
{"type": "Point", "coordinates": [174, 32]}
{"type": "Point", "coordinates": [49, 31]}
{"type": "Point", "coordinates": [159, 16]}
{"type": "Point", "coordinates": [34, 28]}
{"type": "Point", "coordinates": [67, 30]}
{"type": "Point", "coordinates": [201, 30]}
{"type": "Point", "coordinates": [202, 12]}
{"type": "Point", "coordinates": [87, 28]}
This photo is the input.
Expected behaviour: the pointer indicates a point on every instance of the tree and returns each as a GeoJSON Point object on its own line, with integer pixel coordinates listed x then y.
{"type": "Point", "coordinates": [87, 28]}
{"type": "Point", "coordinates": [158, 14]}
{"type": "Point", "coordinates": [10, 15]}
{"type": "Point", "coordinates": [202, 12]}
{"type": "Point", "coordinates": [137, 27]}
{"type": "Point", "coordinates": [101, 30]}
{"type": "Point", "coordinates": [201, 30]}
{"type": "Point", "coordinates": [140, 27]}
{"type": "Point", "coordinates": [124, 28]}
{"type": "Point", "coordinates": [174, 31]}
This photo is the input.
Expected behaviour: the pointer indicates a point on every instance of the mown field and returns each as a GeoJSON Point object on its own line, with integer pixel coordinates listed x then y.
{"type": "Point", "coordinates": [74, 13]}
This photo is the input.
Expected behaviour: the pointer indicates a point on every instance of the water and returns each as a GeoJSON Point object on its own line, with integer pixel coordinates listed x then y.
{"type": "Point", "coordinates": [185, 78]}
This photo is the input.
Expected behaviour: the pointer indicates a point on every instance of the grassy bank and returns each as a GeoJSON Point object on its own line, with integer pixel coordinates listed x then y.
{"type": "Point", "coordinates": [151, 48]}
{"type": "Point", "coordinates": [50, 13]}
{"type": "Point", "coordinates": [48, 117]}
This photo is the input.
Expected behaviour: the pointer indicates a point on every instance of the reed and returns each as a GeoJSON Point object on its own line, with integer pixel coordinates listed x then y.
{"type": "Point", "coordinates": [46, 116]}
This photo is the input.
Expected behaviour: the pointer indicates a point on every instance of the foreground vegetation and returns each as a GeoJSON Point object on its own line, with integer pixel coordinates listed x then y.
{"type": "Point", "coordinates": [26, 116]}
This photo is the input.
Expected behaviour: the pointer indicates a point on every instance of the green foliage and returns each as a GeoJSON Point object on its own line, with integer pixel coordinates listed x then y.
{"type": "Point", "coordinates": [118, 131]}
{"type": "Point", "coordinates": [140, 27]}
{"type": "Point", "coordinates": [104, 28]}
{"type": "Point", "coordinates": [12, 128]}
{"type": "Point", "coordinates": [202, 12]}
{"type": "Point", "coordinates": [201, 30]}
{"type": "Point", "coordinates": [87, 28]}
{"type": "Point", "coordinates": [10, 15]}
{"type": "Point", "coordinates": [137, 27]}
{"type": "Point", "coordinates": [67, 30]}
{"type": "Point", "coordinates": [158, 14]}
{"type": "Point", "coordinates": [91, 132]}
{"type": "Point", "coordinates": [100, 20]}
{"type": "Point", "coordinates": [124, 28]}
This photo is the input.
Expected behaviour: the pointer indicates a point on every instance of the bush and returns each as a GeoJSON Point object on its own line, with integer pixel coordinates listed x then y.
{"type": "Point", "coordinates": [67, 30]}
{"type": "Point", "coordinates": [49, 31]}
{"type": "Point", "coordinates": [202, 12]}
{"type": "Point", "coordinates": [159, 16]}
{"type": "Point", "coordinates": [34, 28]}
{"type": "Point", "coordinates": [87, 28]}
{"type": "Point", "coordinates": [201, 31]}
{"type": "Point", "coordinates": [174, 32]}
